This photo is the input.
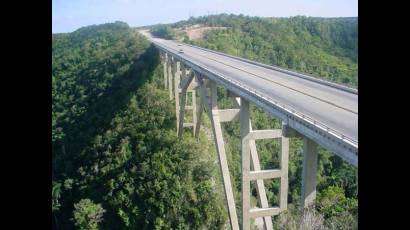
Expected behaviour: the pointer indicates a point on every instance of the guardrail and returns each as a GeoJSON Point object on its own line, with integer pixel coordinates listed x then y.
{"type": "Point", "coordinates": [269, 100]}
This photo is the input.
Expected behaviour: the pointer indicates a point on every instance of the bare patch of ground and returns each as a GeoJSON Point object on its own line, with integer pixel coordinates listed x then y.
{"type": "Point", "coordinates": [196, 32]}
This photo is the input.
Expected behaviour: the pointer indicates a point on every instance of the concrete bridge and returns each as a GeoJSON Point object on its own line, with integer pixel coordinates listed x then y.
{"type": "Point", "coordinates": [318, 111]}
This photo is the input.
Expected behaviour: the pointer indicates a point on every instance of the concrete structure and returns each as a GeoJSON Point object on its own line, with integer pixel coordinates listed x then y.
{"type": "Point", "coordinates": [320, 112]}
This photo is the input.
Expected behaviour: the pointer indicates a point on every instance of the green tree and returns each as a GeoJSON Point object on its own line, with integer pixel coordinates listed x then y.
{"type": "Point", "coordinates": [87, 215]}
{"type": "Point", "coordinates": [332, 202]}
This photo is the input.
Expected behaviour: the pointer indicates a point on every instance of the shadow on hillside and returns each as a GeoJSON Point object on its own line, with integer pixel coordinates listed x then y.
{"type": "Point", "coordinates": [97, 118]}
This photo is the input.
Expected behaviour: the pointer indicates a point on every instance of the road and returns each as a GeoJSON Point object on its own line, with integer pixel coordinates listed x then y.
{"type": "Point", "coordinates": [336, 108]}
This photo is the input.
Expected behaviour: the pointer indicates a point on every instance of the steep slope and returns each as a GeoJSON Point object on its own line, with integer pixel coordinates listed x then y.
{"type": "Point", "coordinates": [117, 163]}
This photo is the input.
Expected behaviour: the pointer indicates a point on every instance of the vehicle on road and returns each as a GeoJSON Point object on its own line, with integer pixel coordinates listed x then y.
{"type": "Point", "coordinates": [181, 51]}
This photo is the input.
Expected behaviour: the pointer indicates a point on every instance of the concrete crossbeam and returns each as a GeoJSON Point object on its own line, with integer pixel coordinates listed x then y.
{"type": "Point", "coordinates": [188, 124]}
{"type": "Point", "coordinates": [261, 212]}
{"type": "Point", "coordinates": [264, 134]}
{"type": "Point", "coordinates": [193, 85]}
{"type": "Point", "coordinates": [228, 114]}
{"type": "Point", "coordinates": [265, 174]}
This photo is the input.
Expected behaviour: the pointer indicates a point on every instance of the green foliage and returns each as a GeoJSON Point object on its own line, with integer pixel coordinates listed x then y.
{"type": "Point", "coordinates": [114, 140]}
{"type": "Point", "coordinates": [56, 193]}
{"type": "Point", "coordinates": [332, 202]}
{"type": "Point", "coordinates": [163, 31]}
{"type": "Point", "coordinates": [87, 215]}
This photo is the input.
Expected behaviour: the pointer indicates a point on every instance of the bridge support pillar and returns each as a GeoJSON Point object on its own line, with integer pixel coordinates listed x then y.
{"type": "Point", "coordinates": [250, 161]}
{"type": "Point", "coordinates": [165, 66]}
{"type": "Point", "coordinates": [181, 90]}
{"type": "Point", "coordinates": [308, 195]}
{"type": "Point", "coordinates": [246, 165]}
{"type": "Point", "coordinates": [194, 112]}
{"type": "Point", "coordinates": [170, 76]}
{"type": "Point", "coordinates": [177, 79]}
{"type": "Point", "coordinates": [184, 86]}
{"type": "Point", "coordinates": [210, 103]}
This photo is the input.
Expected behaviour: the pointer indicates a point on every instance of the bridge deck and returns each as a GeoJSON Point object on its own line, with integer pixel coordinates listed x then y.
{"type": "Point", "coordinates": [336, 108]}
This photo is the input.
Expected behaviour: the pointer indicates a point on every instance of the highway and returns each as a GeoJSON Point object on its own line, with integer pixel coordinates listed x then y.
{"type": "Point", "coordinates": [334, 107]}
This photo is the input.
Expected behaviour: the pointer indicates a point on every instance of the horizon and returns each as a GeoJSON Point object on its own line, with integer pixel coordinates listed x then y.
{"type": "Point", "coordinates": [70, 16]}
{"type": "Point", "coordinates": [197, 17]}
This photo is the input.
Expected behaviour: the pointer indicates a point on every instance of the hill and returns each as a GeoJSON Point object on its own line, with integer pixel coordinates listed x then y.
{"type": "Point", "coordinates": [117, 163]}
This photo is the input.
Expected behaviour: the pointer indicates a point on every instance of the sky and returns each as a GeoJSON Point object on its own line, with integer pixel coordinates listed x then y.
{"type": "Point", "coordinates": [69, 15]}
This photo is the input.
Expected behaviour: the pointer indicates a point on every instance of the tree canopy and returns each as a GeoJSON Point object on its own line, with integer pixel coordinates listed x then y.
{"type": "Point", "coordinates": [117, 162]}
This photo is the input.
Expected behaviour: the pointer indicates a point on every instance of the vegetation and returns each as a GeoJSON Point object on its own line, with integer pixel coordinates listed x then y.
{"type": "Point", "coordinates": [87, 215]}
{"type": "Point", "coordinates": [114, 141]}
{"type": "Point", "coordinates": [163, 31]}
{"type": "Point", "coordinates": [117, 162]}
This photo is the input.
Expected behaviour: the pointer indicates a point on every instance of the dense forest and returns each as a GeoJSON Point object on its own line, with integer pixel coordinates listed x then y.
{"type": "Point", "coordinates": [117, 162]}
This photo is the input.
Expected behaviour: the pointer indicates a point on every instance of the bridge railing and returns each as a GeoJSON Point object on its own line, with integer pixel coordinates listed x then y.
{"type": "Point", "coordinates": [293, 111]}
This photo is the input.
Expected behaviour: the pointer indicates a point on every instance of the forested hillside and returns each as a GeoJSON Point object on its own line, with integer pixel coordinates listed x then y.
{"type": "Point", "coordinates": [117, 163]}
{"type": "Point", "coordinates": [324, 47]}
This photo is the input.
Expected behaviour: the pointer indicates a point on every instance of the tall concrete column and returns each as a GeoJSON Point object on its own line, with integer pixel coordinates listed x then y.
{"type": "Point", "coordinates": [172, 78]}
{"type": "Point", "coordinates": [284, 180]}
{"type": "Point", "coordinates": [165, 63]}
{"type": "Point", "coordinates": [246, 166]}
{"type": "Point", "coordinates": [170, 63]}
{"type": "Point", "coordinates": [309, 173]}
{"type": "Point", "coordinates": [198, 119]}
{"type": "Point", "coordinates": [212, 110]}
{"type": "Point", "coordinates": [176, 87]}
{"type": "Point", "coordinates": [194, 112]}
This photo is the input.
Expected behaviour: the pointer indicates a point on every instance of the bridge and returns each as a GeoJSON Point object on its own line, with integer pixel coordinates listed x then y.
{"type": "Point", "coordinates": [321, 112]}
